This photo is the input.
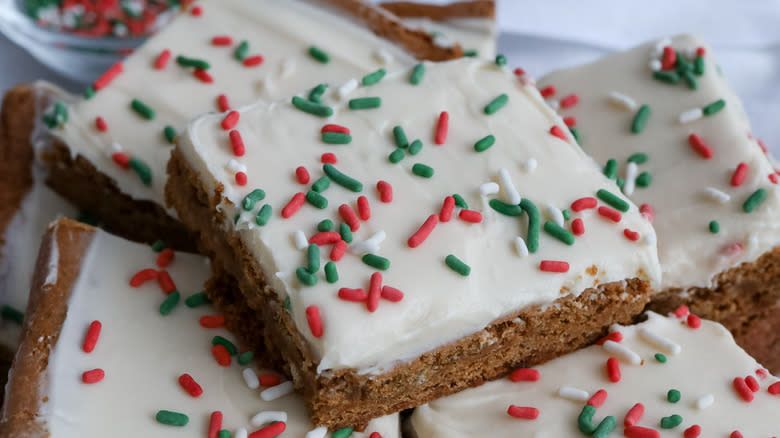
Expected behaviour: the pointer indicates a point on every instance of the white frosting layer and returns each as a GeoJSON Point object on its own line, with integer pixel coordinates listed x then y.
{"type": "Point", "coordinates": [143, 354]}
{"type": "Point", "coordinates": [473, 34]}
{"type": "Point", "coordinates": [690, 254]}
{"type": "Point", "coordinates": [280, 31]}
{"type": "Point", "coordinates": [439, 305]}
{"type": "Point", "coordinates": [703, 372]}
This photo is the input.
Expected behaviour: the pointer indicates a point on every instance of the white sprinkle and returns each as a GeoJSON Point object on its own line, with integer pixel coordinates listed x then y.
{"type": "Point", "coordinates": [530, 165]}
{"type": "Point", "coordinates": [383, 56]}
{"type": "Point", "coordinates": [554, 104]}
{"type": "Point", "coordinates": [317, 433]}
{"type": "Point", "coordinates": [489, 188]}
{"type": "Point", "coordinates": [622, 101]}
{"type": "Point", "coordinates": [116, 147]}
{"type": "Point", "coordinates": [252, 382]}
{"type": "Point", "coordinates": [241, 433]}
{"type": "Point", "coordinates": [573, 394]}
{"type": "Point", "coordinates": [655, 64]}
{"type": "Point", "coordinates": [630, 182]}
{"type": "Point", "coordinates": [522, 249]}
{"type": "Point", "coordinates": [659, 341]}
{"type": "Point", "coordinates": [513, 197]}
{"type": "Point", "coordinates": [705, 401]}
{"type": "Point", "coordinates": [288, 68]}
{"type": "Point", "coordinates": [622, 352]}
{"type": "Point", "coordinates": [364, 247]}
{"type": "Point", "coordinates": [650, 239]}
{"type": "Point", "coordinates": [235, 167]}
{"type": "Point", "coordinates": [691, 115]}
{"type": "Point", "coordinates": [717, 195]}
{"type": "Point", "coordinates": [301, 242]}
{"type": "Point", "coordinates": [268, 416]}
{"type": "Point", "coordinates": [277, 391]}
{"type": "Point", "coordinates": [378, 237]}
{"type": "Point", "coordinates": [348, 87]}
{"type": "Point", "coordinates": [555, 214]}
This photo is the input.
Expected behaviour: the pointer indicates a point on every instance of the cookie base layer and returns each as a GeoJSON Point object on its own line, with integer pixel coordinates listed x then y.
{"type": "Point", "coordinates": [462, 9]}
{"type": "Point", "coordinates": [346, 397]}
{"type": "Point", "coordinates": [759, 335]}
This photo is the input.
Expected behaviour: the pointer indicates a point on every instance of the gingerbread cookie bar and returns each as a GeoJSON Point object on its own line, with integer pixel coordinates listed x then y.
{"type": "Point", "coordinates": [412, 238]}
{"type": "Point", "coordinates": [663, 121]}
{"type": "Point", "coordinates": [105, 350]}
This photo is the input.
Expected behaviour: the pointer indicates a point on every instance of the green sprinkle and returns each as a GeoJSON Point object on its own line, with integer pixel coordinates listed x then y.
{"type": "Point", "coordinates": [264, 214]}
{"type": "Point", "coordinates": [170, 303]}
{"type": "Point", "coordinates": [668, 77]}
{"type": "Point", "coordinates": [172, 418]}
{"type": "Point", "coordinates": [142, 109]}
{"type": "Point", "coordinates": [459, 201]}
{"type": "Point", "coordinates": [313, 258]}
{"type": "Point", "coordinates": [471, 53]}
{"type": "Point", "coordinates": [638, 158]}
{"type": "Point", "coordinates": [417, 74]}
{"type": "Point", "coordinates": [319, 54]}
{"type": "Point", "coordinates": [690, 80]}
{"type": "Point", "coordinates": [714, 107]}
{"type": "Point", "coordinates": [714, 227]}
{"type": "Point", "coordinates": [661, 358]}
{"type": "Point", "coordinates": [500, 60]}
{"type": "Point", "coordinates": [236, 218]}
{"type": "Point", "coordinates": [342, 433]}
{"type": "Point", "coordinates": [534, 224]}
{"type": "Point", "coordinates": [496, 104]}
{"type": "Point", "coordinates": [613, 200]}
{"type": "Point", "coordinates": [673, 396]}
{"type": "Point", "coordinates": [342, 179]}
{"type": "Point", "coordinates": [331, 273]}
{"type": "Point", "coordinates": [241, 51]}
{"type": "Point", "coordinates": [192, 62]}
{"type": "Point", "coordinates": [611, 168]}
{"type": "Point", "coordinates": [321, 184]}
{"type": "Point", "coordinates": [698, 66]}
{"type": "Point", "coordinates": [229, 346]}
{"type": "Point", "coordinates": [585, 420]}
{"type": "Point", "coordinates": [251, 199]}
{"type": "Point", "coordinates": [158, 246]}
{"type": "Point", "coordinates": [376, 261]}
{"type": "Point", "coordinates": [575, 133]}
{"type": "Point", "coordinates": [287, 304]}
{"type": "Point", "coordinates": [246, 357]}
{"type": "Point", "coordinates": [504, 208]}
{"type": "Point", "coordinates": [373, 78]}
{"type": "Point", "coordinates": [671, 421]}
{"type": "Point", "coordinates": [8, 313]}
{"type": "Point", "coordinates": [325, 225]}
{"type": "Point", "coordinates": [422, 170]}
{"type": "Point", "coordinates": [400, 137]}
{"type": "Point", "coordinates": [754, 200]}
{"type": "Point", "coordinates": [170, 134]}
{"type": "Point", "coordinates": [315, 95]}
{"type": "Point", "coordinates": [683, 65]}
{"type": "Point", "coordinates": [142, 170]}
{"type": "Point", "coordinates": [640, 119]}
{"type": "Point", "coordinates": [485, 143]}
{"type": "Point", "coordinates": [60, 115]}
{"type": "Point", "coordinates": [196, 300]}
{"type": "Point", "coordinates": [365, 103]}
{"type": "Point", "coordinates": [311, 107]}
{"type": "Point", "coordinates": [566, 214]}
{"type": "Point", "coordinates": [316, 199]}
{"type": "Point", "coordinates": [336, 138]}
{"type": "Point", "coordinates": [559, 232]}
{"type": "Point", "coordinates": [224, 434]}
{"type": "Point", "coordinates": [396, 156]}
{"type": "Point", "coordinates": [415, 147]}
{"type": "Point", "coordinates": [306, 277]}
{"type": "Point", "coordinates": [606, 426]}
{"type": "Point", "coordinates": [89, 93]}
{"type": "Point", "coordinates": [346, 232]}
{"type": "Point", "coordinates": [620, 183]}
{"type": "Point", "coordinates": [457, 265]}
{"type": "Point", "coordinates": [644, 179]}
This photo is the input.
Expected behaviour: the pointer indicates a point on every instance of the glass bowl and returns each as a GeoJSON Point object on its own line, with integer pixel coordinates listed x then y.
{"type": "Point", "coordinates": [81, 58]}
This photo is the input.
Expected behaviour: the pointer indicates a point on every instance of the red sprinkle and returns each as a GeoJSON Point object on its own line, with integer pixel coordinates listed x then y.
{"type": "Point", "coordinates": [548, 91]}
{"type": "Point", "coordinates": [203, 76]}
{"type": "Point", "coordinates": [613, 370]}
{"type": "Point", "coordinates": [241, 178]}
{"type": "Point", "coordinates": [692, 432]}
{"type": "Point", "coordinates": [614, 337]}
{"type": "Point", "coordinates": [100, 124]}
{"type": "Point", "coordinates": [553, 266]}
{"type": "Point", "coordinates": [752, 383]}
{"type": "Point", "coordinates": [268, 380]}
{"type": "Point", "coordinates": [647, 211]}
{"type": "Point", "coordinates": [190, 385]}
{"type": "Point", "coordinates": [166, 282]}
{"type": "Point", "coordinates": [442, 127]}
{"type": "Point", "coordinates": [253, 61]}
{"type": "Point", "coordinates": [325, 238]}
{"type": "Point", "coordinates": [364, 209]}
{"type": "Point", "coordinates": [197, 11]}
{"type": "Point", "coordinates": [215, 424]}
{"type": "Point", "coordinates": [570, 100]}
{"type": "Point", "coordinates": [774, 388]}
{"type": "Point", "coordinates": [694, 321]}
{"type": "Point", "coordinates": [668, 59]}
{"type": "Point", "coordinates": [222, 40]}
{"type": "Point", "coordinates": [739, 175]}
{"type": "Point", "coordinates": [212, 321]}
{"type": "Point", "coordinates": [570, 121]}
{"type": "Point", "coordinates": [578, 227]}
{"type": "Point", "coordinates": [423, 232]}
{"type": "Point", "coordinates": [315, 322]}
{"type": "Point", "coordinates": [143, 276]}
{"type": "Point", "coordinates": [392, 294]}
{"type": "Point", "coordinates": [558, 132]}
{"type": "Point", "coordinates": [222, 103]}
{"type": "Point", "coordinates": [699, 146]}
{"type": "Point", "coordinates": [525, 413]}
{"type": "Point", "coordinates": [93, 334]}
{"type": "Point", "coordinates": [294, 205]}
{"type": "Point", "coordinates": [269, 431]}
{"type": "Point", "coordinates": [165, 258]}
{"type": "Point", "coordinates": [584, 204]}
{"type": "Point", "coordinates": [631, 235]}
{"type": "Point", "coordinates": [610, 213]}
{"type": "Point", "coordinates": [472, 216]}
{"type": "Point", "coordinates": [446, 209]}
{"type": "Point", "coordinates": [385, 191]}
{"type": "Point", "coordinates": [634, 415]}
{"type": "Point", "coordinates": [374, 292]}
{"type": "Point", "coordinates": [735, 434]}
{"type": "Point", "coordinates": [762, 145]}
{"type": "Point", "coordinates": [598, 398]}
{"type": "Point", "coordinates": [329, 157]}
{"type": "Point", "coordinates": [348, 215]}
{"type": "Point", "coordinates": [121, 159]}
{"type": "Point", "coordinates": [335, 128]}
{"type": "Point", "coordinates": [701, 51]}
{"type": "Point", "coordinates": [302, 175]}
{"type": "Point", "coordinates": [761, 373]}
{"type": "Point", "coordinates": [338, 251]}
{"type": "Point", "coordinates": [93, 376]}
{"type": "Point", "coordinates": [640, 432]}
{"type": "Point", "coordinates": [519, 71]}
{"type": "Point", "coordinates": [221, 355]}
{"type": "Point", "coordinates": [108, 76]}
{"type": "Point", "coordinates": [682, 311]}
{"type": "Point", "coordinates": [162, 59]}
{"type": "Point", "coordinates": [375, 435]}
{"type": "Point", "coordinates": [742, 389]}
{"type": "Point", "coordinates": [237, 143]}
{"type": "Point", "coordinates": [230, 120]}
{"type": "Point", "coordinates": [773, 178]}
{"type": "Point", "coordinates": [524, 375]}
{"type": "Point", "coordinates": [354, 295]}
